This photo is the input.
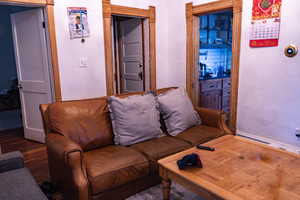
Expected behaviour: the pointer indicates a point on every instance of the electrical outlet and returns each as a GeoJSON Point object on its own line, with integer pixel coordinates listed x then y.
{"type": "Point", "coordinates": [297, 132]}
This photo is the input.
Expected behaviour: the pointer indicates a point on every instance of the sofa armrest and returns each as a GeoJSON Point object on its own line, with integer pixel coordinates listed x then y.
{"type": "Point", "coordinates": [11, 161]}
{"type": "Point", "coordinates": [214, 118]}
{"type": "Point", "coordinates": [66, 165]}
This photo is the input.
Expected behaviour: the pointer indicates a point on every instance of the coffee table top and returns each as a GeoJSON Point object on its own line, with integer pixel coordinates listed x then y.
{"type": "Point", "coordinates": [242, 169]}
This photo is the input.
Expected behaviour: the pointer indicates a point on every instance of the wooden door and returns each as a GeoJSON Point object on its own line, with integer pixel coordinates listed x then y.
{"type": "Point", "coordinates": [131, 61]}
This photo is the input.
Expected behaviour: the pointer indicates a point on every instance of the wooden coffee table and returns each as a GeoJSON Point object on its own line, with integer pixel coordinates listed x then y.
{"type": "Point", "coordinates": [239, 169]}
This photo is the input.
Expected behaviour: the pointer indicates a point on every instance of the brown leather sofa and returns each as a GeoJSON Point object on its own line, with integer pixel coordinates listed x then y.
{"type": "Point", "coordinates": [85, 164]}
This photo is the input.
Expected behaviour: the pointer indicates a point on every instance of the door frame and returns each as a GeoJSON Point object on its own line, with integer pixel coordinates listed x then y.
{"type": "Point", "coordinates": [192, 48]}
{"type": "Point", "coordinates": [108, 11]}
{"type": "Point", "coordinates": [48, 6]}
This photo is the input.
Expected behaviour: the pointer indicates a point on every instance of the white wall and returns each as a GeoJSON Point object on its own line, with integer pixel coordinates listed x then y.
{"type": "Point", "coordinates": [269, 98]}
{"type": "Point", "coordinates": [177, 41]}
{"type": "Point", "coordinates": [90, 82]}
{"type": "Point", "coordinates": [79, 82]}
{"type": "Point", "coordinates": [269, 95]}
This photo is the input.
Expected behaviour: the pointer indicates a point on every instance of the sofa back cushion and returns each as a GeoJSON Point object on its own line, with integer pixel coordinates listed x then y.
{"type": "Point", "coordinates": [134, 118]}
{"type": "Point", "coordinates": [86, 122]}
{"type": "Point", "coordinates": [177, 111]}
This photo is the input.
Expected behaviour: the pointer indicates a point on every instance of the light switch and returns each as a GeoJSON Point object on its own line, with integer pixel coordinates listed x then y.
{"type": "Point", "coordinates": [83, 62]}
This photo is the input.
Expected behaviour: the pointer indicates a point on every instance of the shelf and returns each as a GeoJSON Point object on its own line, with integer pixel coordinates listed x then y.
{"type": "Point", "coordinates": [214, 29]}
{"type": "Point", "coordinates": [221, 77]}
{"type": "Point", "coordinates": [214, 46]}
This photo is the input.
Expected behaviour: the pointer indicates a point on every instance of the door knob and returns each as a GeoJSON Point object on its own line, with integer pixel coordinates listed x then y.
{"type": "Point", "coordinates": [20, 86]}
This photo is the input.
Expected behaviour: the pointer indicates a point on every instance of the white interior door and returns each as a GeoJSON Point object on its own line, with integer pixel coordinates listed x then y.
{"type": "Point", "coordinates": [132, 66]}
{"type": "Point", "coordinates": [32, 68]}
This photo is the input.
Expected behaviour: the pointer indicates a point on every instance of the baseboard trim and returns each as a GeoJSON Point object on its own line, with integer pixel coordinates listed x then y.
{"type": "Point", "coordinates": [268, 141]}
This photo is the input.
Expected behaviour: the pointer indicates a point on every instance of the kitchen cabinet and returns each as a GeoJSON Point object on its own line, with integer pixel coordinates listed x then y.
{"type": "Point", "coordinates": [215, 94]}
{"type": "Point", "coordinates": [211, 99]}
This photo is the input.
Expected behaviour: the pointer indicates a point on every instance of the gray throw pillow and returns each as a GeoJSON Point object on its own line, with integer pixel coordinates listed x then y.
{"type": "Point", "coordinates": [134, 118]}
{"type": "Point", "coordinates": [177, 111]}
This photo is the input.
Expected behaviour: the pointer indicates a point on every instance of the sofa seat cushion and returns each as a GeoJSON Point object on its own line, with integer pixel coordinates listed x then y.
{"type": "Point", "coordinates": [200, 134]}
{"type": "Point", "coordinates": [112, 166]}
{"type": "Point", "coordinates": [158, 148]}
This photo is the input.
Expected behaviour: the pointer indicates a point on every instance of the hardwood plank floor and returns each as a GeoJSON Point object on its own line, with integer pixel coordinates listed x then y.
{"type": "Point", "coordinates": [35, 155]}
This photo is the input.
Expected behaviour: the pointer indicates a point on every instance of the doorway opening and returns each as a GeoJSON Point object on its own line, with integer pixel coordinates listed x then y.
{"type": "Point", "coordinates": [130, 54]}
{"type": "Point", "coordinates": [26, 76]}
{"type": "Point", "coordinates": [215, 61]}
{"type": "Point", "coordinates": [213, 54]}
{"type": "Point", "coordinates": [149, 21]}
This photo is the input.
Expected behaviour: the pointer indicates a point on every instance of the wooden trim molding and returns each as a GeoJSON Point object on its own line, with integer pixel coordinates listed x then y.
{"type": "Point", "coordinates": [192, 42]}
{"type": "Point", "coordinates": [129, 11]}
{"type": "Point", "coordinates": [49, 10]}
{"type": "Point", "coordinates": [152, 46]}
{"type": "Point", "coordinates": [53, 50]}
{"type": "Point", "coordinates": [236, 47]}
{"type": "Point", "coordinates": [50, 2]}
{"type": "Point", "coordinates": [29, 2]}
{"type": "Point", "coordinates": [107, 20]}
{"type": "Point", "coordinates": [108, 11]}
{"type": "Point", "coordinates": [212, 7]}
{"type": "Point", "coordinates": [189, 50]}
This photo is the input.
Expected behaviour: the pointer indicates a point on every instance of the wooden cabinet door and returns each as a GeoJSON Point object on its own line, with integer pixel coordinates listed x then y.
{"type": "Point", "coordinates": [209, 85]}
{"type": "Point", "coordinates": [211, 99]}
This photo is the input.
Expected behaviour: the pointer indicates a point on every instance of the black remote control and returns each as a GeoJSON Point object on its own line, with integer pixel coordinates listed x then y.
{"type": "Point", "coordinates": [205, 148]}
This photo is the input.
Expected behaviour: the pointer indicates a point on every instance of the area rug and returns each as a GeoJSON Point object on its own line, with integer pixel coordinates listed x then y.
{"type": "Point", "coordinates": [155, 193]}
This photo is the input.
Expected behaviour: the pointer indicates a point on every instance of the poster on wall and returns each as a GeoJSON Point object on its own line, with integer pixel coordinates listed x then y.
{"type": "Point", "coordinates": [265, 24]}
{"type": "Point", "coordinates": [78, 22]}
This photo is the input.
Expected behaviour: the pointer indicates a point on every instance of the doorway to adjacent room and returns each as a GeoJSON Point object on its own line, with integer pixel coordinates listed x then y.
{"type": "Point", "coordinates": [215, 61]}
{"type": "Point", "coordinates": [213, 53]}
{"type": "Point", "coordinates": [27, 78]}
{"type": "Point", "coordinates": [130, 48]}
{"type": "Point", "coordinates": [131, 54]}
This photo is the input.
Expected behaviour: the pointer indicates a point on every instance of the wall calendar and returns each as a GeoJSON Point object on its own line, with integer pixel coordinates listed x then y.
{"type": "Point", "coordinates": [265, 24]}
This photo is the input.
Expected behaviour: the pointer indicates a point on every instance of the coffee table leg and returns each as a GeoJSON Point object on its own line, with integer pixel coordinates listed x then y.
{"type": "Point", "coordinates": [166, 183]}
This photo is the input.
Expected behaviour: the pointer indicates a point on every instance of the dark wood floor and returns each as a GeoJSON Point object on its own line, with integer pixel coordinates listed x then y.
{"type": "Point", "coordinates": [35, 155]}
